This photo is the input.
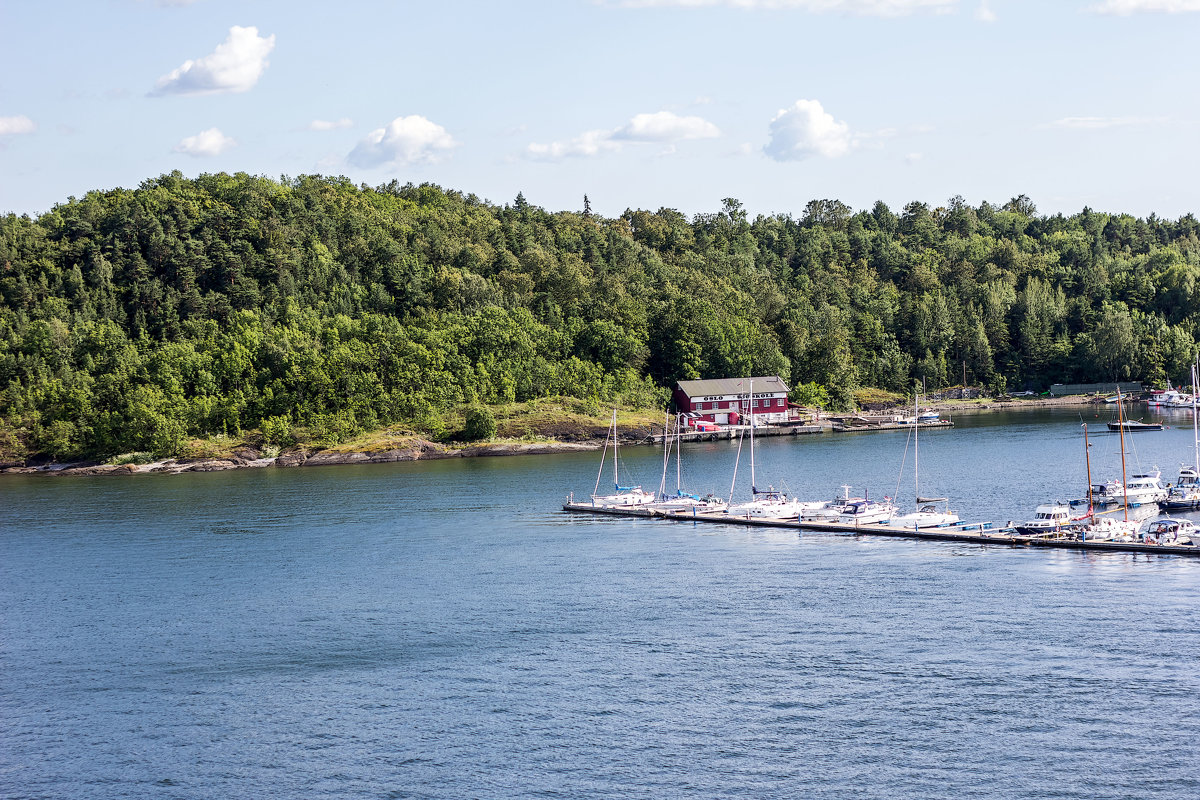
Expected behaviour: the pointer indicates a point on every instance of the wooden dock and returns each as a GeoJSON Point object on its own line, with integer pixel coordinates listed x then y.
{"type": "Point", "coordinates": [976, 533]}
{"type": "Point", "coordinates": [841, 427]}
{"type": "Point", "coordinates": [732, 431]}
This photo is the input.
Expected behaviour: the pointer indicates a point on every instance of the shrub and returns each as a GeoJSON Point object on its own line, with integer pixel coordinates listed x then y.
{"type": "Point", "coordinates": [481, 424]}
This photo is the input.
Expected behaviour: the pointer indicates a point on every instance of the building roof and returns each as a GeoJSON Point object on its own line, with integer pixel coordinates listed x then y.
{"type": "Point", "coordinates": [721, 386]}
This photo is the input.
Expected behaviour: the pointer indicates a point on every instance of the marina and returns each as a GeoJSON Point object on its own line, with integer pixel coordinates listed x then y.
{"type": "Point", "coordinates": [968, 533]}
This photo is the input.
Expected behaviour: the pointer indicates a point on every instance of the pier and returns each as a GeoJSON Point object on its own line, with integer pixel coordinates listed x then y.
{"type": "Point", "coordinates": [969, 533]}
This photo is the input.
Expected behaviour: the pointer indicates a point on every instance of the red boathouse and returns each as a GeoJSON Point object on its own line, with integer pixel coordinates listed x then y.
{"type": "Point", "coordinates": [727, 401]}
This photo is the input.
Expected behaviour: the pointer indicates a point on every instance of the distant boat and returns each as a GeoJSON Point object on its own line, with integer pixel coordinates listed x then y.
{"type": "Point", "coordinates": [1131, 425]}
{"type": "Point", "coordinates": [681, 500]}
{"type": "Point", "coordinates": [926, 515]}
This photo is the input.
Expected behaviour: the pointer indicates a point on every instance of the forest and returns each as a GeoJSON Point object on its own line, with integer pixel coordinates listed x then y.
{"type": "Point", "coordinates": [135, 319]}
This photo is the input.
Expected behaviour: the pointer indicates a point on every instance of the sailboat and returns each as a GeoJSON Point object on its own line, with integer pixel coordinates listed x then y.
{"type": "Point", "coordinates": [927, 514]}
{"type": "Point", "coordinates": [681, 500]}
{"type": "Point", "coordinates": [1093, 527]}
{"type": "Point", "coordinates": [770, 502]}
{"type": "Point", "coordinates": [1142, 488]}
{"type": "Point", "coordinates": [625, 496]}
{"type": "Point", "coordinates": [1186, 492]}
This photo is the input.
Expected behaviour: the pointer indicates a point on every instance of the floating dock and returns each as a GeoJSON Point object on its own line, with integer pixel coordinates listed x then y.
{"type": "Point", "coordinates": [732, 431]}
{"type": "Point", "coordinates": [841, 427]}
{"type": "Point", "coordinates": [977, 533]}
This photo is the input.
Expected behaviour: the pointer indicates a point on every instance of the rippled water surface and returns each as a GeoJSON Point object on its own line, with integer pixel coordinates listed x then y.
{"type": "Point", "coordinates": [442, 630]}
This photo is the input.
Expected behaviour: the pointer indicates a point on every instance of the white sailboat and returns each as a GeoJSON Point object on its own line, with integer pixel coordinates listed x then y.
{"type": "Point", "coordinates": [927, 514]}
{"type": "Point", "coordinates": [1091, 527]}
{"type": "Point", "coordinates": [1186, 492]}
{"type": "Point", "coordinates": [624, 496]}
{"type": "Point", "coordinates": [769, 503]}
{"type": "Point", "coordinates": [681, 500]}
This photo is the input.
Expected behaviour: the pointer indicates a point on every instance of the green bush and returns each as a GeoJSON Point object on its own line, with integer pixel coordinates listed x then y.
{"type": "Point", "coordinates": [481, 425]}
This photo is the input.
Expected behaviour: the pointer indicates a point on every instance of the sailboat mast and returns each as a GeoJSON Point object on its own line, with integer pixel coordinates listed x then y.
{"type": "Point", "coordinates": [662, 483]}
{"type": "Point", "coordinates": [1195, 430]}
{"type": "Point", "coordinates": [616, 480]}
{"type": "Point", "coordinates": [750, 407]}
{"type": "Point", "coordinates": [1121, 428]}
{"type": "Point", "coordinates": [1087, 458]}
{"type": "Point", "coordinates": [678, 457]}
{"type": "Point", "coordinates": [916, 449]}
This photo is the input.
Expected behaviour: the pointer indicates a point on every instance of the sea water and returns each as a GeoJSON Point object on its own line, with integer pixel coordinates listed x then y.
{"type": "Point", "coordinates": [444, 630]}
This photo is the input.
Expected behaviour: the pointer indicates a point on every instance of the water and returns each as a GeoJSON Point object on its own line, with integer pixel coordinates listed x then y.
{"type": "Point", "coordinates": [441, 630]}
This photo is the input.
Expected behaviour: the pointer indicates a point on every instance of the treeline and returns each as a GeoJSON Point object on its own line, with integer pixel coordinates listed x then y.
{"type": "Point", "coordinates": [134, 319]}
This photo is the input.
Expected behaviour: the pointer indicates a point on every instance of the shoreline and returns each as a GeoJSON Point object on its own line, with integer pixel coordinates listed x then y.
{"type": "Point", "coordinates": [418, 449]}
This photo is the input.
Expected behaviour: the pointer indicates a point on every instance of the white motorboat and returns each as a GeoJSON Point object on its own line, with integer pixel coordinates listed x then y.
{"type": "Point", "coordinates": [1145, 488]}
{"type": "Point", "coordinates": [1109, 493]}
{"type": "Point", "coordinates": [1047, 518]}
{"type": "Point", "coordinates": [1170, 530]}
{"type": "Point", "coordinates": [1186, 491]}
{"type": "Point", "coordinates": [769, 504]}
{"type": "Point", "coordinates": [849, 510]}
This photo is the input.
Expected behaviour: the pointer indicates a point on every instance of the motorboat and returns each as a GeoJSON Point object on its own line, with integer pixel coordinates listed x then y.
{"type": "Point", "coordinates": [1172, 531]}
{"type": "Point", "coordinates": [1186, 492]}
{"type": "Point", "coordinates": [1145, 488]}
{"type": "Point", "coordinates": [1047, 518]}
{"type": "Point", "coordinates": [927, 516]}
{"type": "Point", "coordinates": [847, 510]}
{"type": "Point", "coordinates": [1105, 494]}
{"type": "Point", "coordinates": [1131, 425]}
{"type": "Point", "coordinates": [769, 504]}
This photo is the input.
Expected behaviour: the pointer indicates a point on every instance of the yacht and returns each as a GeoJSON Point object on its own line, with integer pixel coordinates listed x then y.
{"type": "Point", "coordinates": [1186, 492]}
{"type": "Point", "coordinates": [1145, 488]}
{"type": "Point", "coordinates": [1047, 518]}
{"type": "Point", "coordinates": [1170, 530]}
{"type": "Point", "coordinates": [849, 510]}
{"type": "Point", "coordinates": [769, 504]}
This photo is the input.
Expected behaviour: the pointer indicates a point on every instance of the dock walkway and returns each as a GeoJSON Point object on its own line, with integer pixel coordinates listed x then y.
{"type": "Point", "coordinates": [977, 533]}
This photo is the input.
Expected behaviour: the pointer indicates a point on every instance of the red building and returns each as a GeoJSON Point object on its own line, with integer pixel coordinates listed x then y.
{"type": "Point", "coordinates": [728, 401]}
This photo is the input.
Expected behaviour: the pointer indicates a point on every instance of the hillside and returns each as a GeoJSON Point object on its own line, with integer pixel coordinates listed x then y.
{"type": "Point", "coordinates": [315, 309]}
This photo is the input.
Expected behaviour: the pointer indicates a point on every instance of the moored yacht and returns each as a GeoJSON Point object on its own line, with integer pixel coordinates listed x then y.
{"type": "Point", "coordinates": [1047, 518]}
{"type": "Point", "coordinates": [1170, 530]}
{"type": "Point", "coordinates": [1186, 492]}
{"type": "Point", "coordinates": [1145, 488]}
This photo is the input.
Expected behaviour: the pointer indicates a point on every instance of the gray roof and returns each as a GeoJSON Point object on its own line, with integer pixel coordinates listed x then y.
{"type": "Point", "coordinates": [722, 386]}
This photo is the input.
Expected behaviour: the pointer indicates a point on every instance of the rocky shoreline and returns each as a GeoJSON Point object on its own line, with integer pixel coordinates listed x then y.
{"type": "Point", "coordinates": [424, 450]}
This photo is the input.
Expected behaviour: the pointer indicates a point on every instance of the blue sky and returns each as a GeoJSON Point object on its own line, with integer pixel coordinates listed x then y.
{"type": "Point", "coordinates": [636, 103]}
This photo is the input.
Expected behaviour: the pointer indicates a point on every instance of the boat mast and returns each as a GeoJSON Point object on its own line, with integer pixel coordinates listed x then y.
{"type": "Point", "coordinates": [1121, 428]}
{"type": "Point", "coordinates": [750, 410]}
{"type": "Point", "coordinates": [662, 483]}
{"type": "Point", "coordinates": [616, 480]}
{"type": "Point", "coordinates": [678, 457]}
{"type": "Point", "coordinates": [1195, 430]}
{"type": "Point", "coordinates": [600, 472]}
{"type": "Point", "coordinates": [916, 450]}
{"type": "Point", "coordinates": [1087, 459]}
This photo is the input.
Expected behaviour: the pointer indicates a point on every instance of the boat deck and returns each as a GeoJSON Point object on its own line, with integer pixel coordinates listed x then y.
{"type": "Point", "coordinates": [974, 533]}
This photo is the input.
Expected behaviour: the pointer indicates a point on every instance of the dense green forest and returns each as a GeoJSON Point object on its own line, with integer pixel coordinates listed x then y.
{"type": "Point", "coordinates": [134, 319]}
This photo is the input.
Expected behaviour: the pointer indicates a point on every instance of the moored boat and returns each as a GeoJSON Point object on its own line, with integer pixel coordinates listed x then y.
{"type": "Point", "coordinates": [1131, 425]}
{"type": "Point", "coordinates": [1172, 531]}
{"type": "Point", "coordinates": [1047, 518]}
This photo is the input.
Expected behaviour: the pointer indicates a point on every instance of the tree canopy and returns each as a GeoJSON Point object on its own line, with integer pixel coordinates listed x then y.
{"type": "Point", "coordinates": [133, 319]}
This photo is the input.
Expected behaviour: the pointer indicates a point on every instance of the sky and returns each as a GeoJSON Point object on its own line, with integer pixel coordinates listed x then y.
{"type": "Point", "coordinates": [637, 104]}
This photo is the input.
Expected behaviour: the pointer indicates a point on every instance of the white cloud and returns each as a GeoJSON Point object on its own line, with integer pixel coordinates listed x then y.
{"type": "Point", "coordinates": [1126, 7]}
{"type": "Point", "coordinates": [984, 12]}
{"type": "Point", "coordinates": [664, 126]}
{"type": "Point", "coordinates": [205, 144]}
{"type": "Point", "coordinates": [806, 129]}
{"type": "Point", "coordinates": [330, 125]}
{"type": "Point", "coordinates": [1097, 123]}
{"type": "Point", "coordinates": [235, 66]}
{"type": "Point", "coordinates": [862, 8]}
{"type": "Point", "coordinates": [405, 140]}
{"type": "Point", "coordinates": [661, 127]}
{"type": "Point", "coordinates": [586, 145]}
{"type": "Point", "coordinates": [14, 125]}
